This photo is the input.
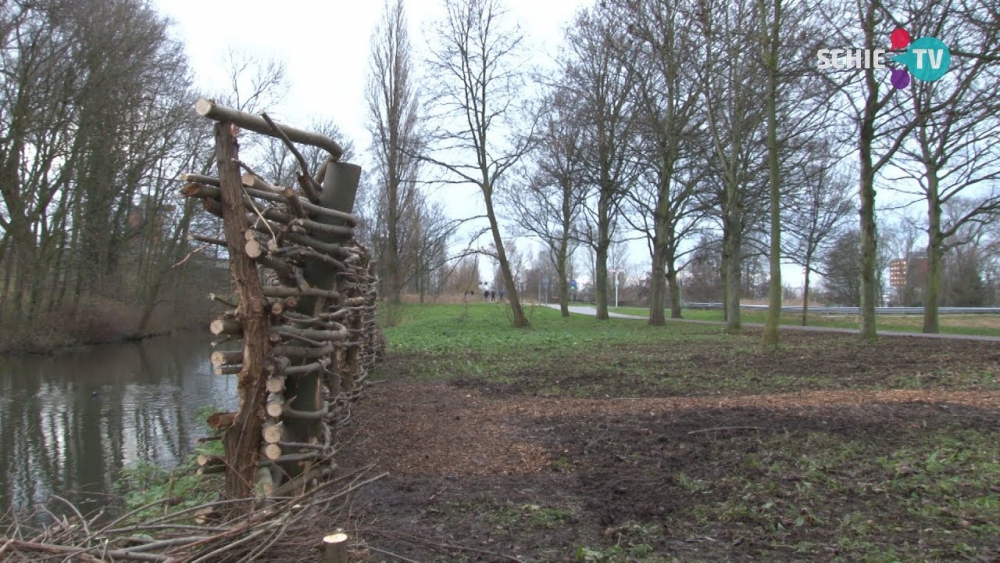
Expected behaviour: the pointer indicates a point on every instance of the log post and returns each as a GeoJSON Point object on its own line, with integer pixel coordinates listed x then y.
{"type": "Point", "coordinates": [335, 548]}
{"type": "Point", "coordinates": [242, 439]}
{"type": "Point", "coordinates": [340, 187]}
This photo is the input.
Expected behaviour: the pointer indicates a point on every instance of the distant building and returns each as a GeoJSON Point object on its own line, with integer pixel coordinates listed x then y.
{"type": "Point", "coordinates": [905, 272]}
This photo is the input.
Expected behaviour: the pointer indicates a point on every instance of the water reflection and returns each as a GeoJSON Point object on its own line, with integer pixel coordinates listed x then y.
{"type": "Point", "coordinates": [68, 424]}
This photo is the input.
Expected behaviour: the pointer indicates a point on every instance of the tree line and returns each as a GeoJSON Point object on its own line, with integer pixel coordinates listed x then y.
{"type": "Point", "coordinates": [709, 127]}
{"type": "Point", "coordinates": [704, 127]}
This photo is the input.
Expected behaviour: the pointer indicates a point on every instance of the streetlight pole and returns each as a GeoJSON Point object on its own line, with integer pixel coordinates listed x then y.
{"type": "Point", "coordinates": [616, 272]}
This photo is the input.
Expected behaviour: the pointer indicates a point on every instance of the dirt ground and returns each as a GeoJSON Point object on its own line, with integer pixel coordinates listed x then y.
{"type": "Point", "coordinates": [480, 471]}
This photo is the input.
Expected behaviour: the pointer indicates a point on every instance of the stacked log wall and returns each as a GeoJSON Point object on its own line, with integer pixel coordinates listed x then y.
{"type": "Point", "coordinates": [305, 314]}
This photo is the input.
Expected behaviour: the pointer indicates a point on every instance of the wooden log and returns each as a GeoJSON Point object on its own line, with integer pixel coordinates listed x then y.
{"type": "Point", "coordinates": [300, 446]}
{"type": "Point", "coordinates": [221, 420]}
{"type": "Point", "coordinates": [212, 206]}
{"type": "Point", "coordinates": [199, 179]}
{"type": "Point", "coordinates": [273, 431]}
{"type": "Point", "coordinates": [303, 252]}
{"type": "Point", "coordinates": [208, 192]}
{"type": "Point", "coordinates": [329, 248]}
{"type": "Point", "coordinates": [288, 412]}
{"type": "Point", "coordinates": [265, 482]}
{"type": "Point", "coordinates": [212, 110]}
{"type": "Point", "coordinates": [276, 364]}
{"type": "Point", "coordinates": [308, 368]}
{"type": "Point", "coordinates": [209, 240]}
{"type": "Point", "coordinates": [312, 334]}
{"type": "Point", "coordinates": [277, 308]}
{"type": "Point", "coordinates": [303, 353]}
{"type": "Point", "coordinates": [253, 249]}
{"type": "Point", "coordinates": [255, 181]}
{"type": "Point", "coordinates": [228, 370]}
{"type": "Point", "coordinates": [335, 548]}
{"type": "Point", "coordinates": [313, 226]}
{"type": "Point", "coordinates": [225, 326]}
{"type": "Point", "coordinates": [285, 271]}
{"type": "Point", "coordinates": [204, 459]}
{"type": "Point", "coordinates": [275, 384]}
{"type": "Point", "coordinates": [277, 291]}
{"type": "Point", "coordinates": [221, 358]}
{"type": "Point", "coordinates": [294, 203]}
{"type": "Point", "coordinates": [211, 470]}
{"type": "Point", "coordinates": [275, 404]}
{"type": "Point", "coordinates": [271, 451]}
{"type": "Point", "coordinates": [294, 458]}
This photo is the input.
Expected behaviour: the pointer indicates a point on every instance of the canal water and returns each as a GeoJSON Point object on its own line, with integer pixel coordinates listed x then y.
{"type": "Point", "coordinates": [69, 423]}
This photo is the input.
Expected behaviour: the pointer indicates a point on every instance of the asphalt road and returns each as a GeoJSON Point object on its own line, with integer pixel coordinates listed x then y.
{"type": "Point", "coordinates": [586, 310]}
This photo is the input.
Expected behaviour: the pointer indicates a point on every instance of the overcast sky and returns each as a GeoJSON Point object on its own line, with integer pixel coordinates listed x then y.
{"type": "Point", "coordinates": [324, 45]}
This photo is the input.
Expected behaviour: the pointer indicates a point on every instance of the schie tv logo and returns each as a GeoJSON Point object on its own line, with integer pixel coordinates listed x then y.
{"type": "Point", "coordinates": [927, 58]}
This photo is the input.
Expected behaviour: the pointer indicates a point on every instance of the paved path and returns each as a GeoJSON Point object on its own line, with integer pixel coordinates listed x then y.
{"type": "Point", "coordinates": [587, 310]}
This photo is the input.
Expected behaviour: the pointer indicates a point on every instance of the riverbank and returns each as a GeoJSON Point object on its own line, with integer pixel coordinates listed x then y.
{"type": "Point", "coordinates": [102, 321]}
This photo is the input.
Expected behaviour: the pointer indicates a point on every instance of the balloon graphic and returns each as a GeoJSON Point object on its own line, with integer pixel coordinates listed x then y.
{"type": "Point", "coordinates": [900, 78]}
{"type": "Point", "coordinates": [899, 38]}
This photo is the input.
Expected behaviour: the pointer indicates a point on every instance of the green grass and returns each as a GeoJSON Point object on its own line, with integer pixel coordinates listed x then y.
{"type": "Point", "coordinates": [486, 327]}
{"type": "Point", "coordinates": [917, 485]}
{"type": "Point", "coordinates": [477, 340]}
{"type": "Point", "coordinates": [981, 325]}
{"type": "Point", "coordinates": [580, 356]}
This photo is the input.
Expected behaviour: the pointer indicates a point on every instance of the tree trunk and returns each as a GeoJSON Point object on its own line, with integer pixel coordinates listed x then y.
{"type": "Point", "coordinates": [603, 244]}
{"type": "Point", "coordinates": [731, 249]}
{"type": "Point", "coordinates": [675, 291]}
{"type": "Point", "coordinates": [867, 192]}
{"type": "Point", "coordinates": [243, 437]}
{"type": "Point", "coordinates": [771, 334]}
{"type": "Point", "coordinates": [601, 283]}
{"type": "Point", "coordinates": [805, 294]}
{"type": "Point", "coordinates": [563, 282]}
{"type": "Point", "coordinates": [658, 280]}
{"type": "Point", "coordinates": [934, 251]}
{"type": "Point", "coordinates": [519, 321]}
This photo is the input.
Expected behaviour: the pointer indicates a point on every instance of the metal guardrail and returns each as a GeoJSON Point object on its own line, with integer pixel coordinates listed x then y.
{"type": "Point", "coordinates": [857, 310]}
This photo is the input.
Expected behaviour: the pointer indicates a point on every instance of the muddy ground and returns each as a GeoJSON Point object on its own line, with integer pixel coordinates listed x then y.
{"type": "Point", "coordinates": [480, 470]}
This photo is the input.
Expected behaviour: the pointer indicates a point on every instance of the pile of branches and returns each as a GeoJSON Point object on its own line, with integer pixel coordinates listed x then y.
{"type": "Point", "coordinates": [221, 531]}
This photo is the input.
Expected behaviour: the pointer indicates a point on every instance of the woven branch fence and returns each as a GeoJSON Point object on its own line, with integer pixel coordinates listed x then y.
{"type": "Point", "coordinates": [304, 315]}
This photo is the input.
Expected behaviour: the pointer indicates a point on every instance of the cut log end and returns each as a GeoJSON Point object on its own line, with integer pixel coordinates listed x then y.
{"type": "Point", "coordinates": [221, 420]}
{"type": "Point", "coordinates": [203, 107]}
{"type": "Point", "coordinates": [253, 249]}
{"type": "Point", "coordinates": [275, 410]}
{"type": "Point", "coordinates": [272, 451]}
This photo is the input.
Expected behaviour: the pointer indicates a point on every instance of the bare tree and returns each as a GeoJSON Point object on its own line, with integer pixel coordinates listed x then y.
{"type": "Point", "coordinates": [879, 127]}
{"type": "Point", "coordinates": [769, 13]}
{"type": "Point", "coordinates": [602, 84]}
{"type": "Point", "coordinates": [815, 214]}
{"type": "Point", "coordinates": [730, 77]}
{"type": "Point", "coordinates": [668, 118]}
{"type": "Point", "coordinates": [957, 131]}
{"type": "Point", "coordinates": [476, 62]}
{"type": "Point", "coordinates": [392, 122]}
{"type": "Point", "coordinates": [551, 203]}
